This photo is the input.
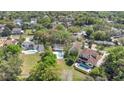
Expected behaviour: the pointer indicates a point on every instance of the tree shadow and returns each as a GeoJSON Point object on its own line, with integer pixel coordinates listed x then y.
{"type": "Point", "coordinates": [69, 62]}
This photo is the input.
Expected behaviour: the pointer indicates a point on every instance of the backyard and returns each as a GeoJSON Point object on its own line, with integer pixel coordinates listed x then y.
{"type": "Point", "coordinates": [28, 62]}
{"type": "Point", "coordinates": [66, 73]}
{"type": "Point", "coordinates": [28, 33]}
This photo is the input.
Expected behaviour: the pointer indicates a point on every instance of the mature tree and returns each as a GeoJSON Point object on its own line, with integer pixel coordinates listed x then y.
{"type": "Point", "coordinates": [114, 65]}
{"type": "Point", "coordinates": [90, 43]}
{"type": "Point", "coordinates": [13, 49]}
{"type": "Point", "coordinates": [42, 72]}
{"type": "Point", "coordinates": [10, 69]}
{"type": "Point", "coordinates": [41, 36]}
{"type": "Point", "coordinates": [87, 19]}
{"type": "Point", "coordinates": [89, 30]}
{"type": "Point", "coordinates": [121, 40]}
{"type": "Point", "coordinates": [25, 26]}
{"type": "Point", "coordinates": [10, 25]}
{"type": "Point", "coordinates": [120, 70]}
{"type": "Point", "coordinates": [98, 74]}
{"type": "Point", "coordinates": [100, 35]}
{"type": "Point", "coordinates": [45, 69]}
{"type": "Point", "coordinates": [10, 64]}
{"type": "Point", "coordinates": [1, 54]}
{"type": "Point", "coordinates": [45, 21]}
{"type": "Point", "coordinates": [47, 37]}
{"type": "Point", "coordinates": [71, 56]}
{"type": "Point", "coordinates": [62, 37]}
{"type": "Point", "coordinates": [21, 40]}
{"type": "Point", "coordinates": [6, 32]}
{"type": "Point", "coordinates": [48, 58]}
{"type": "Point", "coordinates": [60, 27]}
{"type": "Point", "coordinates": [74, 29]}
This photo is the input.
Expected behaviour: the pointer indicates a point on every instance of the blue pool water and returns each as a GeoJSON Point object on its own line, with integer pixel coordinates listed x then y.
{"type": "Point", "coordinates": [84, 66]}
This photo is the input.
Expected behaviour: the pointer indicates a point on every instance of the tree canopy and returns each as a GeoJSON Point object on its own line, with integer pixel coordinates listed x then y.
{"type": "Point", "coordinates": [13, 49]}
{"type": "Point", "coordinates": [45, 68]}
{"type": "Point", "coordinates": [100, 35]}
{"type": "Point", "coordinates": [114, 64]}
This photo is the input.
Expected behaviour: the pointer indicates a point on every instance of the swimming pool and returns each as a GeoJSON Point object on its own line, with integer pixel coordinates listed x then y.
{"type": "Point", "coordinates": [29, 51]}
{"type": "Point", "coordinates": [59, 55]}
{"type": "Point", "coordinates": [83, 67]}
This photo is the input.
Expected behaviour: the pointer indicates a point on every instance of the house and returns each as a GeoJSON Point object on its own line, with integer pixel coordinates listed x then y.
{"type": "Point", "coordinates": [10, 42]}
{"type": "Point", "coordinates": [39, 48]}
{"type": "Point", "coordinates": [18, 21]}
{"type": "Point", "coordinates": [57, 47]}
{"type": "Point", "coordinates": [58, 50]}
{"type": "Point", "coordinates": [84, 33]}
{"type": "Point", "coordinates": [2, 27]}
{"type": "Point", "coordinates": [17, 31]}
{"type": "Point", "coordinates": [108, 43]}
{"type": "Point", "coordinates": [90, 56]}
{"type": "Point", "coordinates": [117, 33]}
{"type": "Point", "coordinates": [28, 45]}
{"type": "Point", "coordinates": [33, 21]}
{"type": "Point", "coordinates": [7, 41]}
{"type": "Point", "coordinates": [88, 59]}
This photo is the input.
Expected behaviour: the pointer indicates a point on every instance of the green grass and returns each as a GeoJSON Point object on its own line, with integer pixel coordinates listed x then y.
{"type": "Point", "coordinates": [30, 60]}
{"type": "Point", "coordinates": [108, 48]}
{"type": "Point", "coordinates": [28, 32]}
{"type": "Point", "coordinates": [28, 63]}
{"type": "Point", "coordinates": [61, 66]}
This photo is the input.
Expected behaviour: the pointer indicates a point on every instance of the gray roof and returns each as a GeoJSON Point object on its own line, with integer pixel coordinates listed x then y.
{"type": "Point", "coordinates": [17, 31]}
{"type": "Point", "coordinates": [57, 47]}
{"type": "Point", "coordinates": [84, 33]}
{"type": "Point", "coordinates": [33, 21]}
{"type": "Point", "coordinates": [39, 48]}
{"type": "Point", "coordinates": [104, 43]}
{"type": "Point", "coordinates": [18, 20]}
{"type": "Point", "coordinates": [32, 45]}
{"type": "Point", "coordinates": [28, 45]}
{"type": "Point", "coordinates": [2, 25]}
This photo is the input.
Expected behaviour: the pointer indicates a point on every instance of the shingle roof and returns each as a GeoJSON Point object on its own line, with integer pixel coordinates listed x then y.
{"type": "Point", "coordinates": [90, 56]}
{"type": "Point", "coordinates": [39, 48]}
{"type": "Point", "coordinates": [57, 47]}
{"type": "Point", "coordinates": [17, 31]}
{"type": "Point", "coordinates": [32, 45]}
{"type": "Point", "coordinates": [10, 41]}
{"type": "Point", "coordinates": [105, 43]}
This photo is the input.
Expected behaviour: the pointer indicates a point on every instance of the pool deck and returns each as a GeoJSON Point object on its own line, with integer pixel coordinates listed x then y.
{"type": "Point", "coordinates": [29, 51]}
{"type": "Point", "coordinates": [81, 68]}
